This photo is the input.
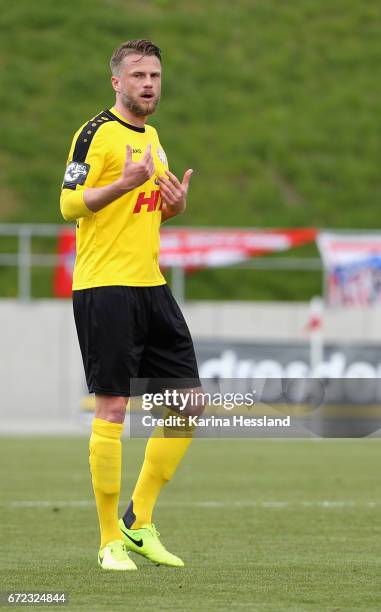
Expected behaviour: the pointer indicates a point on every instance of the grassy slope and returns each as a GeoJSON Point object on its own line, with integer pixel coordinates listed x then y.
{"type": "Point", "coordinates": [296, 557]}
{"type": "Point", "coordinates": [275, 105]}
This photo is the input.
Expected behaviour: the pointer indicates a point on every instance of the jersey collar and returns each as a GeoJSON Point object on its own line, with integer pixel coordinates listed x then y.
{"type": "Point", "coordinates": [118, 117]}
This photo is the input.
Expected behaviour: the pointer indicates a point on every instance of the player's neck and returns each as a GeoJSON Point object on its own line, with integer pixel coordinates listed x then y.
{"type": "Point", "coordinates": [128, 116]}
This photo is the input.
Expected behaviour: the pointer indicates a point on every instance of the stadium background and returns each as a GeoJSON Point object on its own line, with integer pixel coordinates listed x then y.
{"type": "Point", "coordinates": [276, 107]}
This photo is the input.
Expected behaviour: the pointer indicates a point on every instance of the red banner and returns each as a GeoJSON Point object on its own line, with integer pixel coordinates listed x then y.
{"type": "Point", "coordinates": [209, 248]}
{"type": "Point", "coordinates": [63, 275]}
{"type": "Point", "coordinates": [193, 248]}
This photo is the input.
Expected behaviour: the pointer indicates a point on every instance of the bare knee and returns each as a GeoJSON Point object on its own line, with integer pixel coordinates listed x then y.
{"type": "Point", "coordinates": [195, 410]}
{"type": "Point", "coordinates": [110, 407]}
{"type": "Point", "coordinates": [195, 404]}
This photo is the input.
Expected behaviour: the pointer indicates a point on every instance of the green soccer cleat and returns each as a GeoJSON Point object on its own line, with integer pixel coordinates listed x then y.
{"type": "Point", "coordinates": [114, 556]}
{"type": "Point", "coordinates": [145, 541]}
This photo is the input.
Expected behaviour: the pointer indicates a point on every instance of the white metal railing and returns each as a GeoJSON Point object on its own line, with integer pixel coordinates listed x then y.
{"type": "Point", "coordinates": [24, 259]}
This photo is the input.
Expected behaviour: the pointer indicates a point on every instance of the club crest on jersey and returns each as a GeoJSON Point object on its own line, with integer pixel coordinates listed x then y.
{"type": "Point", "coordinates": [162, 156]}
{"type": "Point", "coordinates": [76, 174]}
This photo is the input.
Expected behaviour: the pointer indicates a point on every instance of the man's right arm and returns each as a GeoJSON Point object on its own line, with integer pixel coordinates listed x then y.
{"type": "Point", "coordinates": [79, 197]}
{"type": "Point", "coordinates": [133, 175]}
{"type": "Point", "coordinates": [82, 203]}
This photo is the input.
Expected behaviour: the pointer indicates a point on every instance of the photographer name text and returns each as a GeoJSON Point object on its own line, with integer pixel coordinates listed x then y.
{"type": "Point", "coordinates": [149, 420]}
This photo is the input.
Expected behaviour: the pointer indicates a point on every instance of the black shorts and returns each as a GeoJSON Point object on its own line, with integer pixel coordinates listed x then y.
{"type": "Point", "coordinates": [133, 333]}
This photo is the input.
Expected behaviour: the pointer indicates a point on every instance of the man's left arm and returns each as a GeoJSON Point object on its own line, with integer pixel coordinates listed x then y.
{"type": "Point", "coordinates": [174, 194]}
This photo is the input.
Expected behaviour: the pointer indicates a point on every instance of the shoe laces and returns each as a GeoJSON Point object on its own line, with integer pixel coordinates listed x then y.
{"type": "Point", "coordinates": [151, 527]}
{"type": "Point", "coordinates": [154, 530]}
{"type": "Point", "coordinates": [118, 550]}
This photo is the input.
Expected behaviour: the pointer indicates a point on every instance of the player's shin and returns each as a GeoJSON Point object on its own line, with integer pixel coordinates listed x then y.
{"type": "Point", "coordinates": [105, 467]}
{"type": "Point", "coordinates": [164, 451]}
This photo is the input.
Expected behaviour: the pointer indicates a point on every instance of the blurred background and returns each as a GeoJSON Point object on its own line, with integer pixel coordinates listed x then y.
{"type": "Point", "coordinates": [276, 264]}
{"type": "Point", "coordinates": [277, 261]}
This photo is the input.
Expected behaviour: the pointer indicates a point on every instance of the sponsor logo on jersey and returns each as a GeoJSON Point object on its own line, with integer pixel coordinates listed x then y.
{"type": "Point", "coordinates": [152, 201]}
{"type": "Point", "coordinates": [76, 173]}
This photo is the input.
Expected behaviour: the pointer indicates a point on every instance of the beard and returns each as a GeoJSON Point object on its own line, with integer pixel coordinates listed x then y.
{"type": "Point", "coordinates": [137, 108]}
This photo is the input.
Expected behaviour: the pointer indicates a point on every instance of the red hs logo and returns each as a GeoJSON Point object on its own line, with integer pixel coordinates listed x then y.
{"type": "Point", "coordinates": [150, 202]}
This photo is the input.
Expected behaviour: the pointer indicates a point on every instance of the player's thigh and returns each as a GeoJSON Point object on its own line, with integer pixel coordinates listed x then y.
{"type": "Point", "coordinates": [110, 337]}
{"type": "Point", "coordinates": [169, 359]}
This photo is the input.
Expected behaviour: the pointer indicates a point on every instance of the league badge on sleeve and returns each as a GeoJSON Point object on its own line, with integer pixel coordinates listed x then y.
{"type": "Point", "coordinates": [76, 174]}
{"type": "Point", "coordinates": [162, 156]}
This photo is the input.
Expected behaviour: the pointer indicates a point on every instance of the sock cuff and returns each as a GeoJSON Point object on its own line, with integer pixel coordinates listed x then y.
{"type": "Point", "coordinates": [107, 428]}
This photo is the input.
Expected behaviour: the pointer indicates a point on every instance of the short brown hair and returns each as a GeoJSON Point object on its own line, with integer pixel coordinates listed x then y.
{"type": "Point", "coordinates": [145, 47]}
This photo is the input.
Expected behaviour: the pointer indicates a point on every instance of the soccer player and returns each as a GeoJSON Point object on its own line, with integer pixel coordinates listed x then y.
{"type": "Point", "coordinates": [118, 188]}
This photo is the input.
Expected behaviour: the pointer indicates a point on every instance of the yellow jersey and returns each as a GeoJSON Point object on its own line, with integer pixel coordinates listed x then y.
{"type": "Point", "coordinates": [118, 245]}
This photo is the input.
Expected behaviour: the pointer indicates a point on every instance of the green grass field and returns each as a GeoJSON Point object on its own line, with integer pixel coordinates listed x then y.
{"type": "Point", "coordinates": [274, 104]}
{"type": "Point", "coordinates": [262, 525]}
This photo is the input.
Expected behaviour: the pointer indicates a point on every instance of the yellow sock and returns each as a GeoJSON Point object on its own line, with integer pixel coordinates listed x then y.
{"type": "Point", "coordinates": [105, 468]}
{"type": "Point", "coordinates": [162, 456]}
